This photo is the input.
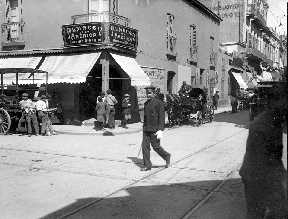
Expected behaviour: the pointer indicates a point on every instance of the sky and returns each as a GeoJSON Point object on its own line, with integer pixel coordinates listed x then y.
{"type": "Point", "coordinates": [277, 12]}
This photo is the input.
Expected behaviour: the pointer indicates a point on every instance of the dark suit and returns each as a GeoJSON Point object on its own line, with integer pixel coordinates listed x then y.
{"type": "Point", "coordinates": [154, 120]}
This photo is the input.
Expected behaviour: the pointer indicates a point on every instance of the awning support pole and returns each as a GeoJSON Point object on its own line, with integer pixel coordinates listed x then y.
{"type": "Point", "coordinates": [105, 74]}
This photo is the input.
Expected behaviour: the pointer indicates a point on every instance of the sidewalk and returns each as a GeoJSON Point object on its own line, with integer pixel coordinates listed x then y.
{"type": "Point", "coordinates": [88, 128]}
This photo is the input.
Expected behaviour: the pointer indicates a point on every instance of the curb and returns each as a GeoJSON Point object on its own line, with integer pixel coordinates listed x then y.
{"type": "Point", "coordinates": [111, 133]}
{"type": "Point", "coordinates": [100, 133]}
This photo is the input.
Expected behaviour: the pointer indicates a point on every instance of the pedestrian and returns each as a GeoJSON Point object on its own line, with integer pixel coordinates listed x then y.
{"type": "Point", "coordinates": [111, 101]}
{"type": "Point", "coordinates": [111, 120]}
{"type": "Point", "coordinates": [234, 104]}
{"type": "Point", "coordinates": [42, 114]}
{"type": "Point", "coordinates": [29, 114]}
{"type": "Point", "coordinates": [49, 126]}
{"type": "Point", "coordinates": [153, 126]}
{"type": "Point", "coordinates": [102, 95]}
{"type": "Point", "coordinates": [101, 112]}
{"type": "Point", "coordinates": [216, 100]}
{"type": "Point", "coordinates": [126, 110]}
{"type": "Point", "coordinates": [262, 172]}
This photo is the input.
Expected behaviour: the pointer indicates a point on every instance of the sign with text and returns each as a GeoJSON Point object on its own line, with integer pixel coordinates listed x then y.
{"type": "Point", "coordinates": [99, 32]}
{"type": "Point", "coordinates": [79, 34]}
{"type": "Point", "coordinates": [123, 35]}
{"type": "Point", "coordinates": [156, 76]}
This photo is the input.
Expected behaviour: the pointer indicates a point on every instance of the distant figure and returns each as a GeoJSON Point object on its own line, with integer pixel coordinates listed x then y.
{"type": "Point", "coordinates": [29, 114]}
{"type": "Point", "coordinates": [101, 112]}
{"type": "Point", "coordinates": [154, 120]}
{"type": "Point", "coordinates": [262, 171]}
{"type": "Point", "coordinates": [216, 100]}
{"type": "Point", "coordinates": [234, 104]}
{"type": "Point", "coordinates": [126, 110]}
{"type": "Point", "coordinates": [111, 101]}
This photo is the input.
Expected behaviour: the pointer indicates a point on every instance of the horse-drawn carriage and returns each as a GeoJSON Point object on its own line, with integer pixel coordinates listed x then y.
{"type": "Point", "coordinates": [11, 90]}
{"type": "Point", "coordinates": [265, 91]}
{"type": "Point", "coordinates": [190, 105]}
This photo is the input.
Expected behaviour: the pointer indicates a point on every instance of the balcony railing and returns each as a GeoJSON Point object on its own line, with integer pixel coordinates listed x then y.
{"type": "Point", "coordinates": [255, 52]}
{"type": "Point", "coordinates": [193, 52]}
{"type": "Point", "coordinates": [12, 32]}
{"type": "Point", "coordinates": [252, 10]}
{"type": "Point", "coordinates": [101, 17]}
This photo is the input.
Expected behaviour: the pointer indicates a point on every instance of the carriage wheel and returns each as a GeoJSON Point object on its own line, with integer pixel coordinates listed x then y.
{"type": "Point", "coordinates": [5, 122]}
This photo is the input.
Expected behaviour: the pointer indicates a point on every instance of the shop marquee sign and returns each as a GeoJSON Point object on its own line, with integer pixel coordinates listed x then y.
{"type": "Point", "coordinates": [99, 33]}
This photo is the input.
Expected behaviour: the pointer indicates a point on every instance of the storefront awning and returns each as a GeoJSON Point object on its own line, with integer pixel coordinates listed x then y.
{"type": "Point", "coordinates": [240, 80]}
{"type": "Point", "coordinates": [17, 63]}
{"type": "Point", "coordinates": [131, 67]}
{"type": "Point", "coordinates": [251, 83]}
{"type": "Point", "coordinates": [69, 68]}
{"type": "Point", "coordinates": [266, 76]}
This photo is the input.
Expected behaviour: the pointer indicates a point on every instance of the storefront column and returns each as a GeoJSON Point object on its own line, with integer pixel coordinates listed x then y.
{"type": "Point", "coordinates": [105, 74]}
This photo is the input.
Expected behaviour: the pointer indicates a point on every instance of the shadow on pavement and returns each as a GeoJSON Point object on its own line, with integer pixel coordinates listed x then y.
{"type": "Point", "coordinates": [151, 201]}
{"type": "Point", "coordinates": [137, 161]}
{"type": "Point", "coordinates": [240, 119]}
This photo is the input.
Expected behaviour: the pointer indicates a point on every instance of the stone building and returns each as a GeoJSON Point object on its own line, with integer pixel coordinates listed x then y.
{"type": "Point", "coordinates": [88, 46]}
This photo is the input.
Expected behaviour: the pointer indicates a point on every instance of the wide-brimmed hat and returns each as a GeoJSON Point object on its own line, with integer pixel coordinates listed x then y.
{"type": "Point", "coordinates": [126, 95]}
{"type": "Point", "coordinates": [109, 91]}
{"type": "Point", "coordinates": [43, 97]}
{"type": "Point", "coordinates": [24, 95]}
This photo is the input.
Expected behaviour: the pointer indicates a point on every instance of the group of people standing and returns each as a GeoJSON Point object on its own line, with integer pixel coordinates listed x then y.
{"type": "Point", "coordinates": [105, 109]}
{"type": "Point", "coordinates": [35, 113]}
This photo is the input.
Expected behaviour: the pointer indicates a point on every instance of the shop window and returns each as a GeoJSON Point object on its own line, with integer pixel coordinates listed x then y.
{"type": "Point", "coordinates": [171, 39]}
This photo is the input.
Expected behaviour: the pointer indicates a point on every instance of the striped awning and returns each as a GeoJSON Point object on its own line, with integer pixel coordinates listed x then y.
{"type": "Point", "coordinates": [131, 67]}
{"type": "Point", "coordinates": [69, 68]}
{"type": "Point", "coordinates": [9, 65]}
{"type": "Point", "coordinates": [240, 80]}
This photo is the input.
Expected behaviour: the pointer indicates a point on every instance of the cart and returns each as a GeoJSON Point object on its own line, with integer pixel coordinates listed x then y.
{"type": "Point", "coordinates": [10, 112]}
{"type": "Point", "coordinates": [265, 91]}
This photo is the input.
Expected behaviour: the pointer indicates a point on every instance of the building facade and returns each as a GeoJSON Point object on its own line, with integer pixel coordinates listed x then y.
{"type": "Point", "coordinates": [255, 50]}
{"type": "Point", "coordinates": [92, 45]}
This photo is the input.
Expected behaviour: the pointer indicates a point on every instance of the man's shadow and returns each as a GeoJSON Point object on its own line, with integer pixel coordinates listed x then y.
{"type": "Point", "coordinates": [139, 162]}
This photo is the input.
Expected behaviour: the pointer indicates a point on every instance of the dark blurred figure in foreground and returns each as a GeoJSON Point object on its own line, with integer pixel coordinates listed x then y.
{"type": "Point", "coordinates": [262, 171]}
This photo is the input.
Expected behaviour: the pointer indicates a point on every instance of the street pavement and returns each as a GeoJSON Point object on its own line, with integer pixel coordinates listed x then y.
{"type": "Point", "coordinates": [82, 176]}
{"type": "Point", "coordinates": [87, 127]}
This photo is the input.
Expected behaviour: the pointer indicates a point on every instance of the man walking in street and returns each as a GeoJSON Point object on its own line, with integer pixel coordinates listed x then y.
{"type": "Point", "coordinates": [216, 100]}
{"type": "Point", "coordinates": [154, 121]}
{"type": "Point", "coordinates": [29, 113]}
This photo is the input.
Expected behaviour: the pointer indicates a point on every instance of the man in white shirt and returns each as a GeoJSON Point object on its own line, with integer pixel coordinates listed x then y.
{"type": "Point", "coordinates": [29, 114]}
{"type": "Point", "coordinates": [41, 107]}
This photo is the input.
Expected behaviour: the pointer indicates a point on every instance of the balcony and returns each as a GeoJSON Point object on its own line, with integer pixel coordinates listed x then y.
{"type": "Point", "coordinates": [101, 17]}
{"type": "Point", "coordinates": [12, 36]}
{"type": "Point", "coordinates": [256, 53]}
{"type": "Point", "coordinates": [102, 29]}
{"type": "Point", "coordinates": [253, 12]}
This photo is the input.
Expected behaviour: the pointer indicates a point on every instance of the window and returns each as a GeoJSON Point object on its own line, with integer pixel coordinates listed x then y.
{"type": "Point", "coordinates": [102, 8]}
{"type": "Point", "coordinates": [211, 50]}
{"type": "Point", "coordinates": [171, 39]}
{"type": "Point", "coordinates": [13, 18]}
{"type": "Point", "coordinates": [193, 41]}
